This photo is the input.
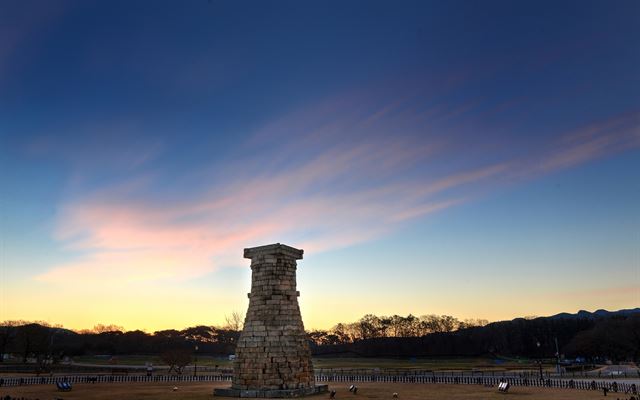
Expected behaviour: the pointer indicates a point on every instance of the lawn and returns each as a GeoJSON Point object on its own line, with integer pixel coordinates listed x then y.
{"type": "Point", "coordinates": [202, 391]}
{"type": "Point", "coordinates": [420, 363]}
{"type": "Point", "coordinates": [337, 362]}
{"type": "Point", "coordinates": [140, 360]}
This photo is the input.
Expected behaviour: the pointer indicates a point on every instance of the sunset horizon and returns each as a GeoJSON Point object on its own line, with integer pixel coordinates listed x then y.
{"type": "Point", "coordinates": [100, 327]}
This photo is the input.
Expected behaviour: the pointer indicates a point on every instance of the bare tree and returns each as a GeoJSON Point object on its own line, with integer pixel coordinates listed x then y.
{"type": "Point", "coordinates": [235, 321]}
{"type": "Point", "coordinates": [100, 328]}
{"type": "Point", "coordinates": [176, 359]}
{"type": "Point", "coordinates": [341, 332]}
{"type": "Point", "coordinates": [449, 323]}
{"type": "Point", "coordinates": [369, 327]}
{"type": "Point", "coordinates": [473, 322]}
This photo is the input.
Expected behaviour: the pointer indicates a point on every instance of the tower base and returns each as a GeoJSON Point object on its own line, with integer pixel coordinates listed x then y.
{"type": "Point", "coordinates": [269, 393]}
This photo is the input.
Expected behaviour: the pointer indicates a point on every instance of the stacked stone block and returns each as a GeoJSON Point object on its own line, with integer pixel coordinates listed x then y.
{"type": "Point", "coordinates": [273, 358]}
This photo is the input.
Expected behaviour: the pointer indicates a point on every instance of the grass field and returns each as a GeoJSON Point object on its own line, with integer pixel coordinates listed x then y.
{"type": "Point", "coordinates": [142, 360]}
{"type": "Point", "coordinates": [336, 362]}
{"type": "Point", "coordinates": [201, 391]}
{"type": "Point", "coordinates": [420, 363]}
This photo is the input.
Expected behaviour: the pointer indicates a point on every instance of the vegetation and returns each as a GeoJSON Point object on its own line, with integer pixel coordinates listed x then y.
{"type": "Point", "coordinates": [371, 327]}
{"type": "Point", "coordinates": [614, 337]}
{"type": "Point", "coordinates": [176, 359]}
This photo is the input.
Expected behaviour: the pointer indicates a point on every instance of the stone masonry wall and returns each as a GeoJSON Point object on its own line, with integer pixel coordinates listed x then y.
{"type": "Point", "coordinates": [272, 352]}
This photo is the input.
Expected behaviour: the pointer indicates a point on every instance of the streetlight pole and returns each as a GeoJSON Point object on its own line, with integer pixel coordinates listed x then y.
{"type": "Point", "coordinates": [539, 360]}
{"type": "Point", "coordinates": [557, 358]}
{"type": "Point", "coordinates": [195, 365]}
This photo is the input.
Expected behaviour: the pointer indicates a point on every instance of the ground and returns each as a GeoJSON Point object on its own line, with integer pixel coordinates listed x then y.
{"type": "Point", "coordinates": [202, 391]}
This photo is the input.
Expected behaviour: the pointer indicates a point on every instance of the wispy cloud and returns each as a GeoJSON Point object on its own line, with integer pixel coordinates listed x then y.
{"type": "Point", "coordinates": [97, 149]}
{"type": "Point", "coordinates": [593, 141]}
{"type": "Point", "coordinates": [341, 180]}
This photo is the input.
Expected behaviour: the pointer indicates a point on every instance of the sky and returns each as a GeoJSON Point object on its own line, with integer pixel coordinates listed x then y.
{"type": "Point", "coordinates": [475, 159]}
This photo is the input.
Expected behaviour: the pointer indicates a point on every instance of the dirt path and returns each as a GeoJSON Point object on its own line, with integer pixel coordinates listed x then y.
{"type": "Point", "coordinates": [201, 391]}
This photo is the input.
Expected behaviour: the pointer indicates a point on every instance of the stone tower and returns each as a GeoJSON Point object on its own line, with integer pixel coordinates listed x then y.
{"type": "Point", "coordinates": [273, 358]}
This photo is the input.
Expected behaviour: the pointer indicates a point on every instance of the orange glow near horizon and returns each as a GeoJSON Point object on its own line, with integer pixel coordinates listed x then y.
{"type": "Point", "coordinates": [157, 310]}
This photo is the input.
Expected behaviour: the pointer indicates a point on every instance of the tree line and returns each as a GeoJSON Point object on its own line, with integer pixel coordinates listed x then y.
{"type": "Point", "coordinates": [396, 326]}
{"type": "Point", "coordinates": [44, 345]}
{"type": "Point", "coordinates": [616, 338]}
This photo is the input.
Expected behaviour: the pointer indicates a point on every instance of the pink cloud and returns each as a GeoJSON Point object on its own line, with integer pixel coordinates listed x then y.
{"type": "Point", "coordinates": [592, 141]}
{"type": "Point", "coordinates": [314, 190]}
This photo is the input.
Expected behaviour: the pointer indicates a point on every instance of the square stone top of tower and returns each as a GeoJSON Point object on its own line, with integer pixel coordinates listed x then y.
{"type": "Point", "coordinates": [273, 249]}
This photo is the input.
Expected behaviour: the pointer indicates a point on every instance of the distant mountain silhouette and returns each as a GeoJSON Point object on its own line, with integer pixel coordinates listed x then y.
{"type": "Point", "coordinates": [596, 314]}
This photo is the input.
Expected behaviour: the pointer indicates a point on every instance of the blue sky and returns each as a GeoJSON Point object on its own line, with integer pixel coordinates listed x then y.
{"type": "Point", "coordinates": [478, 159]}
